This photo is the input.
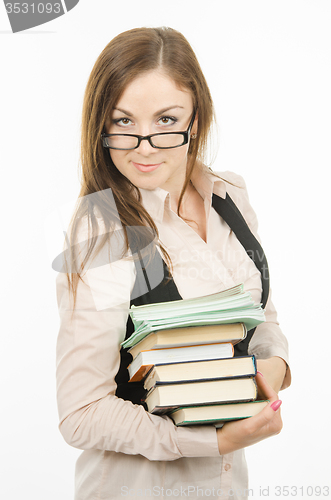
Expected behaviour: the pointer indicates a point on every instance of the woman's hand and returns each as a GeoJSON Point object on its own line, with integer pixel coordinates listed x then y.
{"type": "Point", "coordinates": [242, 433]}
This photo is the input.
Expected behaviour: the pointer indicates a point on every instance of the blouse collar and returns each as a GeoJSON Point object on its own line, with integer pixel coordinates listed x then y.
{"type": "Point", "coordinates": [205, 181]}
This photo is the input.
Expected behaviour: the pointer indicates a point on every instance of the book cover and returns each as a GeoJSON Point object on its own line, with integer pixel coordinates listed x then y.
{"type": "Point", "coordinates": [180, 337]}
{"type": "Point", "coordinates": [163, 398]}
{"type": "Point", "coordinates": [194, 371]}
{"type": "Point", "coordinates": [216, 414]}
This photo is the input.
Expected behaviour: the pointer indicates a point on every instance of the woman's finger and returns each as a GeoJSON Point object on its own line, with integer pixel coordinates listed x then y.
{"type": "Point", "coordinates": [264, 389]}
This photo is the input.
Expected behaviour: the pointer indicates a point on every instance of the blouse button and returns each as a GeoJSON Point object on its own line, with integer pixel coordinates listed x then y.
{"type": "Point", "coordinates": [227, 467]}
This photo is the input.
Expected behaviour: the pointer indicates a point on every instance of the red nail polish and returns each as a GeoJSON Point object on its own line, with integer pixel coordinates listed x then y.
{"type": "Point", "coordinates": [259, 373]}
{"type": "Point", "coordinates": [276, 404]}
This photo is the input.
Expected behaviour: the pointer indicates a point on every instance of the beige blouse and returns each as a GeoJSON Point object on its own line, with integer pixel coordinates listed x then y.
{"type": "Point", "coordinates": [129, 452]}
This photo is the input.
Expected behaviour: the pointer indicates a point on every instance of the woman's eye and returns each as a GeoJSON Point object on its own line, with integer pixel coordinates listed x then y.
{"type": "Point", "coordinates": [167, 120]}
{"type": "Point", "coordinates": [122, 121]}
{"type": "Point", "coordinates": [164, 120]}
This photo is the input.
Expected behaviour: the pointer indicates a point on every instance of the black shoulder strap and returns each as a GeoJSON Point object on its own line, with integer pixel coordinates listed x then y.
{"type": "Point", "coordinates": [226, 208]}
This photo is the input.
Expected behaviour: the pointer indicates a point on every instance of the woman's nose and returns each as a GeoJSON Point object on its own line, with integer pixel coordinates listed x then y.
{"type": "Point", "coordinates": [145, 147]}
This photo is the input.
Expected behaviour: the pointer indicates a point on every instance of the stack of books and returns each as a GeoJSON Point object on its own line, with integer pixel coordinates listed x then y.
{"type": "Point", "coordinates": [183, 351]}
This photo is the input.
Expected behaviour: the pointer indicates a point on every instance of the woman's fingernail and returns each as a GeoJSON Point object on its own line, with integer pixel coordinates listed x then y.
{"type": "Point", "coordinates": [276, 404]}
{"type": "Point", "coordinates": [259, 373]}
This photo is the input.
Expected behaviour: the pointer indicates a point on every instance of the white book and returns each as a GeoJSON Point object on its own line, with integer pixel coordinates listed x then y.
{"type": "Point", "coordinates": [145, 360]}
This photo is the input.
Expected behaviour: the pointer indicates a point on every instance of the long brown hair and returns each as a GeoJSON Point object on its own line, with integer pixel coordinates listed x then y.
{"type": "Point", "coordinates": [127, 56]}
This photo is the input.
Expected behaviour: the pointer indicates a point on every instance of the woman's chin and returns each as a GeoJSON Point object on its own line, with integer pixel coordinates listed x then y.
{"type": "Point", "coordinates": [149, 186]}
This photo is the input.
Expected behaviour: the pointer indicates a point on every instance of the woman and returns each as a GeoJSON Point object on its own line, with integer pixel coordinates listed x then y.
{"type": "Point", "coordinates": [146, 118]}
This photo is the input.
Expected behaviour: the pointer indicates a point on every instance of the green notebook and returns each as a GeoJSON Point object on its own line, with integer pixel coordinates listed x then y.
{"type": "Point", "coordinates": [229, 306]}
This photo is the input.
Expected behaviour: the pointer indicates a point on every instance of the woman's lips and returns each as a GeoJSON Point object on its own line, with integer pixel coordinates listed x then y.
{"type": "Point", "coordinates": [146, 168]}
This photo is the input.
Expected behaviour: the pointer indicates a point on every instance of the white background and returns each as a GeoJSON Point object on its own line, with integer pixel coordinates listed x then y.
{"type": "Point", "coordinates": [268, 64]}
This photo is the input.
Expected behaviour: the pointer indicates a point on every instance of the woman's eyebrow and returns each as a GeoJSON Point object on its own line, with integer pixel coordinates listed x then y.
{"type": "Point", "coordinates": [167, 109]}
{"type": "Point", "coordinates": [164, 110]}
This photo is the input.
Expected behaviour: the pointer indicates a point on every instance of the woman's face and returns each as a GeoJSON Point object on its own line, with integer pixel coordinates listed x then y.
{"type": "Point", "coordinates": [151, 104]}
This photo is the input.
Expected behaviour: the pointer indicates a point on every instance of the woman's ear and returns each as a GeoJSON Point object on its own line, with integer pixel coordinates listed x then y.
{"type": "Point", "coordinates": [194, 129]}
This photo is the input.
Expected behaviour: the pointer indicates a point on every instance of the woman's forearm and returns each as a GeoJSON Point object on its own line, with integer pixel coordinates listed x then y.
{"type": "Point", "coordinates": [274, 370]}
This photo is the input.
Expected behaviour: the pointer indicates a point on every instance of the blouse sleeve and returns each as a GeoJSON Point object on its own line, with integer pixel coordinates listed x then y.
{"type": "Point", "coordinates": [87, 360]}
{"type": "Point", "coordinates": [268, 339]}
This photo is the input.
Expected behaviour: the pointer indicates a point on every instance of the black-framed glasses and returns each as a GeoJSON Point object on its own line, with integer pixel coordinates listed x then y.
{"type": "Point", "coordinates": [165, 140]}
